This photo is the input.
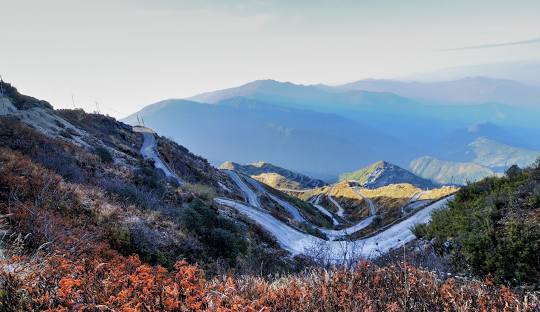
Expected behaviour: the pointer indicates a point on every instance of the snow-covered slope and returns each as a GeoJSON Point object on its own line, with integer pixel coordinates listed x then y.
{"type": "Point", "coordinates": [299, 243]}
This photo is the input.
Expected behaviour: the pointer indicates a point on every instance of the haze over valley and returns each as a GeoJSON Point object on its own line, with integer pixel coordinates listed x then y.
{"type": "Point", "coordinates": [478, 123]}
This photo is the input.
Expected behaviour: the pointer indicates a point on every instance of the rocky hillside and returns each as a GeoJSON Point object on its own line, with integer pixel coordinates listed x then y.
{"type": "Point", "coordinates": [131, 205]}
{"type": "Point", "coordinates": [384, 173]}
{"type": "Point", "coordinates": [274, 176]}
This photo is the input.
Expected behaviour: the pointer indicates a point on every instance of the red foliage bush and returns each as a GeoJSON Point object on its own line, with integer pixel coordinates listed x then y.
{"type": "Point", "coordinates": [126, 284]}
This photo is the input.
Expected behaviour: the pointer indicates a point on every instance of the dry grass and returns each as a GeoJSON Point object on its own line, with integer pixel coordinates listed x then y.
{"type": "Point", "coordinates": [277, 181]}
{"type": "Point", "coordinates": [116, 283]}
{"type": "Point", "coordinates": [203, 191]}
{"type": "Point", "coordinates": [311, 193]}
{"type": "Point", "coordinates": [393, 196]}
{"type": "Point", "coordinates": [355, 206]}
{"type": "Point", "coordinates": [438, 193]}
{"type": "Point", "coordinates": [389, 199]}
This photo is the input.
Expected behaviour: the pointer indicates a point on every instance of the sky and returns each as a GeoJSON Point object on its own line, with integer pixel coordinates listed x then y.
{"type": "Point", "coordinates": [125, 55]}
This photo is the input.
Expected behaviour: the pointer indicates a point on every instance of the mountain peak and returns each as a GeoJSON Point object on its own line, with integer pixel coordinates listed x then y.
{"type": "Point", "coordinates": [267, 82]}
{"type": "Point", "coordinates": [382, 164]}
{"type": "Point", "coordinates": [383, 173]}
{"type": "Point", "coordinates": [260, 164]}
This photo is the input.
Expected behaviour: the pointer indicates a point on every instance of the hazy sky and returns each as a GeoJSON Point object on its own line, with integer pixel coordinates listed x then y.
{"type": "Point", "coordinates": [127, 54]}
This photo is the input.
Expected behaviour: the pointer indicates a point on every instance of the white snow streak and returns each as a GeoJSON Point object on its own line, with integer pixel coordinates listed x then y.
{"type": "Point", "coordinates": [297, 242]}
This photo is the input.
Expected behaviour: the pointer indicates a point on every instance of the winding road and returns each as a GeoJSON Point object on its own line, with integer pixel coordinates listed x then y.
{"type": "Point", "coordinates": [332, 235]}
{"type": "Point", "coordinates": [371, 204]}
{"type": "Point", "coordinates": [297, 242]}
{"type": "Point", "coordinates": [340, 211]}
{"type": "Point", "coordinates": [249, 195]}
{"type": "Point", "coordinates": [414, 203]}
{"type": "Point", "coordinates": [291, 209]}
{"type": "Point", "coordinates": [315, 202]}
{"type": "Point", "coordinates": [149, 151]}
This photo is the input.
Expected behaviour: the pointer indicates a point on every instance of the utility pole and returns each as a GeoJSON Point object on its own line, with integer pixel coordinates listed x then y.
{"type": "Point", "coordinates": [73, 100]}
{"type": "Point", "coordinates": [2, 94]}
{"type": "Point", "coordinates": [97, 108]}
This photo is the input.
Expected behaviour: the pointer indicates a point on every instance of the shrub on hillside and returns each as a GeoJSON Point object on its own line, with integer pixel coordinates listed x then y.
{"type": "Point", "coordinates": [492, 228]}
{"type": "Point", "coordinates": [67, 265]}
{"type": "Point", "coordinates": [142, 198]}
{"type": "Point", "coordinates": [53, 154]}
{"type": "Point", "coordinates": [116, 283]}
{"type": "Point", "coordinates": [149, 177]}
{"type": "Point", "coordinates": [104, 154]}
{"type": "Point", "coordinates": [222, 236]}
{"type": "Point", "coordinates": [203, 191]}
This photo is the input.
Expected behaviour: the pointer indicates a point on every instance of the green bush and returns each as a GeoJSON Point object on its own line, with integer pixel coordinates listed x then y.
{"type": "Point", "coordinates": [492, 228]}
{"type": "Point", "coordinates": [222, 236]}
{"type": "Point", "coordinates": [104, 154]}
{"type": "Point", "coordinates": [203, 191]}
{"type": "Point", "coordinates": [120, 239]}
{"type": "Point", "coordinates": [149, 177]}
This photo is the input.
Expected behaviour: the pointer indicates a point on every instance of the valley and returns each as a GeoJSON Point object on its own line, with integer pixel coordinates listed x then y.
{"type": "Point", "coordinates": [126, 190]}
{"type": "Point", "coordinates": [325, 216]}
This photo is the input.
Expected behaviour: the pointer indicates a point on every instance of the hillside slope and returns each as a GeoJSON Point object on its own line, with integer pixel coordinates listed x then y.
{"type": "Point", "coordinates": [96, 216]}
{"type": "Point", "coordinates": [493, 154]}
{"type": "Point", "coordinates": [129, 204]}
{"type": "Point", "coordinates": [475, 159]}
{"type": "Point", "coordinates": [493, 227]}
{"type": "Point", "coordinates": [274, 176]}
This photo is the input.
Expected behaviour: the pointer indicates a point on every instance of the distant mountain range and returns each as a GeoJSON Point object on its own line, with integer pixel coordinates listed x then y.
{"type": "Point", "coordinates": [449, 172]}
{"type": "Point", "coordinates": [247, 130]}
{"type": "Point", "coordinates": [522, 71]}
{"type": "Point", "coordinates": [474, 90]}
{"type": "Point", "coordinates": [384, 173]}
{"type": "Point", "coordinates": [325, 131]}
{"type": "Point", "coordinates": [478, 159]}
{"type": "Point", "coordinates": [275, 176]}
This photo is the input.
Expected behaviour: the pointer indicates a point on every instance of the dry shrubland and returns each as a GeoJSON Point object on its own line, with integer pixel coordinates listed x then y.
{"type": "Point", "coordinates": [116, 283]}
{"type": "Point", "coordinates": [58, 258]}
